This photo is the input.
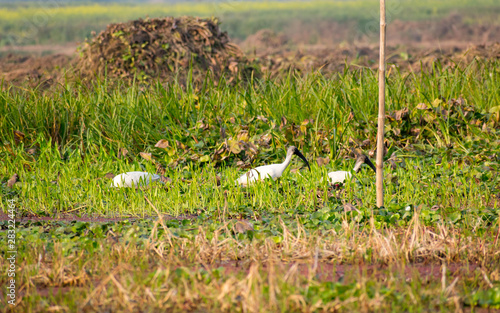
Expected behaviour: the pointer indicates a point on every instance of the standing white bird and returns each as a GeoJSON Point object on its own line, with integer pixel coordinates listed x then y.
{"type": "Point", "coordinates": [134, 179]}
{"type": "Point", "coordinates": [273, 171]}
{"type": "Point", "coordinates": [341, 176]}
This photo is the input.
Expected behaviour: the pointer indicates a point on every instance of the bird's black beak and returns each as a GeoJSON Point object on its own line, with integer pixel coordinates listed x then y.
{"type": "Point", "coordinates": [363, 159]}
{"type": "Point", "coordinates": [370, 164]}
{"type": "Point", "coordinates": [300, 155]}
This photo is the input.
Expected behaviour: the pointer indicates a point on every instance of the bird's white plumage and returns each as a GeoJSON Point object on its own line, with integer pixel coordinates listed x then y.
{"type": "Point", "coordinates": [273, 171]}
{"type": "Point", "coordinates": [134, 179]}
{"type": "Point", "coordinates": [341, 176]}
{"type": "Point", "coordinates": [338, 176]}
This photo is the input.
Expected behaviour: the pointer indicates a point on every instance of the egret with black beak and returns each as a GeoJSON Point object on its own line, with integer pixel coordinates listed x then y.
{"type": "Point", "coordinates": [341, 176]}
{"type": "Point", "coordinates": [135, 179]}
{"type": "Point", "coordinates": [273, 171]}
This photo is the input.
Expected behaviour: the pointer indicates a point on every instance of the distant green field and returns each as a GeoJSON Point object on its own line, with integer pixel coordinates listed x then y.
{"type": "Point", "coordinates": [59, 23]}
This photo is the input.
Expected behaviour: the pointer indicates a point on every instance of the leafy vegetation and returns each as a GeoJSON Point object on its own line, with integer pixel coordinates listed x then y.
{"type": "Point", "coordinates": [442, 130]}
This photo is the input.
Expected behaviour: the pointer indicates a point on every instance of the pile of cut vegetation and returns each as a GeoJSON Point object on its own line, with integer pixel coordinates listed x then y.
{"type": "Point", "coordinates": [163, 48]}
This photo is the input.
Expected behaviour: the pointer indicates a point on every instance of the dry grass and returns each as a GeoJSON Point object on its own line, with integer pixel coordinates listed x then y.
{"type": "Point", "coordinates": [360, 269]}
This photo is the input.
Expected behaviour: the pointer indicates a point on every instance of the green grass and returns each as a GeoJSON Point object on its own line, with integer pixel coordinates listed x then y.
{"type": "Point", "coordinates": [79, 133]}
{"type": "Point", "coordinates": [35, 24]}
{"type": "Point", "coordinates": [441, 196]}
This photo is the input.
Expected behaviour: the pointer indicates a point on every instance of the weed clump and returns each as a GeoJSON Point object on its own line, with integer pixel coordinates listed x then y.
{"type": "Point", "coordinates": [162, 48]}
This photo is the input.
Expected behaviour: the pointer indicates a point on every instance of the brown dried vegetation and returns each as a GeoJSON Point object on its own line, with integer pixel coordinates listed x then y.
{"type": "Point", "coordinates": [161, 48]}
{"type": "Point", "coordinates": [219, 272]}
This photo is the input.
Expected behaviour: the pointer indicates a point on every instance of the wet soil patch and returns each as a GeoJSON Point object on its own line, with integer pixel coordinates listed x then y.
{"type": "Point", "coordinates": [92, 219]}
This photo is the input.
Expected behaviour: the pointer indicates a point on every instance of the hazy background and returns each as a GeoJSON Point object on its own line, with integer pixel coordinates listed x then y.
{"type": "Point", "coordinates": [57, 26]}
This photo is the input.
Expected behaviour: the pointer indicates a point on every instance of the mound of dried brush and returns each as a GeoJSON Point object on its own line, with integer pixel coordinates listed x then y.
{"type": "Point", "coordinates": [163, 48]}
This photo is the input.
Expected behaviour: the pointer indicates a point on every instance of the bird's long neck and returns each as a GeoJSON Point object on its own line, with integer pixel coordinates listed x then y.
{"type": "Point", "coordinates": [357, 166]}
{"type": "Point", "coordinates": [285, 163]}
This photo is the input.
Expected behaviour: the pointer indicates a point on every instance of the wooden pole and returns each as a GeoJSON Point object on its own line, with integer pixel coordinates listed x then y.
{"type": "Point", "coordinates": [381, 110]}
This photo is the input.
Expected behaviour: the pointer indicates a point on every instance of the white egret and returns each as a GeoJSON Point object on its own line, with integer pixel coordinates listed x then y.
{"type": "Point", "coordinates": [135, 179]}
{"type": "Point", "coordinates": [341, 176]}
{"type": "Point", "coordinates": [273, 171]}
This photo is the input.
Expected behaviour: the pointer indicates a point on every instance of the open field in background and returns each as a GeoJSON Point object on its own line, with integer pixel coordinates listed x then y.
{"type": "Point", "coordinates": [200, 243]}
{"type": "Point", "coordinates": [309, 22]}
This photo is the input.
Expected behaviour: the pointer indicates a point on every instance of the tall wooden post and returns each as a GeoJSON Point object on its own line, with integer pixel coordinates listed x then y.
{"type": "Point", "coordinates": [381, 110]}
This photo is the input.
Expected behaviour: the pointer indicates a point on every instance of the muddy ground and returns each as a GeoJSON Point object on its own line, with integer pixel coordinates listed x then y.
{"type": "Point", "coordinates": [69, 217]}
{"type": "Point", "coordinates": [450, 32]}
{"type": "Point", "coordinates": [44, 71]}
